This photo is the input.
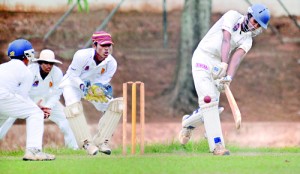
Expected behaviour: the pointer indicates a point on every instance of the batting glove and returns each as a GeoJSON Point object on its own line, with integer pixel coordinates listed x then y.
{"type": "Point", "coordinates": [219, 70]}
{"type": "Point", "coordinates": [220, 84]}
{"type": "Point", "coordinates": [226, 80]}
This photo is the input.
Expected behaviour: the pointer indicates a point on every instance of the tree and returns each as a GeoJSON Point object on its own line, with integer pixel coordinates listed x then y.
{"type": "Point", "coordinates": [195, 22]}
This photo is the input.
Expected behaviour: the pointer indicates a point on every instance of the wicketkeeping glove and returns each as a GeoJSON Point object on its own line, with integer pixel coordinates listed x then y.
{"type": "Point", "coordinates": [99, 93]}
{"type": "Point", "coordinates": [85, 87]}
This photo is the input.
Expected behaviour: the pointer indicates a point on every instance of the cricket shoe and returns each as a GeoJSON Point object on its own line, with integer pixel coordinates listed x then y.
{"type": "Point", "coordinates": [185, 135]}
{"type": "Point", "coordinates": [34, 154]}
{"type": "Point", "coordinates": [90, 148]}
{"type": "Point", "coordinates": [220, 150]}
{"type": "Point", "coordinates": [104, 148]}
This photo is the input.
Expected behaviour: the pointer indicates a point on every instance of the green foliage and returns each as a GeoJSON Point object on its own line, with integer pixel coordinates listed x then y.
{"type": "Point", "coordinates": [80, 6]}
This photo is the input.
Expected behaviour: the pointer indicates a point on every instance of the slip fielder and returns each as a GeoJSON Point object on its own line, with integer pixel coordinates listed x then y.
{"type": "Point", "coordinates": [45, 92]}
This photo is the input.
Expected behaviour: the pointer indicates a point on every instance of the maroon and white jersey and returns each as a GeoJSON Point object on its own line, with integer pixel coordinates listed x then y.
{"type": "Point", "coordinates": [83, 67]}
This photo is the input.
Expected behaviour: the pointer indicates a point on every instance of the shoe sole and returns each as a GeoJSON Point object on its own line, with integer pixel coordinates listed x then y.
{"type": "Point", "coordinates": [26, 159]}
{"type": "Point", "coordinates": [106, 152]}
{"type": "Point", "coordinates": [95, 153]}
{"type": "Point", "coordinates": [224, 154]}
{"type": "Point", "coordinates": [92, 154]}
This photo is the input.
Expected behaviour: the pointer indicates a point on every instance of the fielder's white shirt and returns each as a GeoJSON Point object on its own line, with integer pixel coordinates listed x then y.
{"type": "Point", "coordinates": [231, 22]}
{"type": "Point", "coordinates": [46, 89]}
{"type": "Point", "coordinates": [83, 67]}
{"type": "Point", "coordinates": [16, 78]}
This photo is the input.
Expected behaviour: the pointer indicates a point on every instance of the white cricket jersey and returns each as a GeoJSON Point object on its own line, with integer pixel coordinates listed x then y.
{"type": "Point", "coordinates": [46, 89]}
{"type": "Point", "coordinates": [15, 77]}
{"type": "Point", "coordinates": [231, 22]}
{"type": "Point", "coordinates": [83, 67]}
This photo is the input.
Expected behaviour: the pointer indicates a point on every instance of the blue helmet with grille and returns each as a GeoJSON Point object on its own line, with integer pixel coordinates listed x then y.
{"type": "Point", "coordinates": [261, 14]}
{"type": "Point", "coordinates": [20, 48]}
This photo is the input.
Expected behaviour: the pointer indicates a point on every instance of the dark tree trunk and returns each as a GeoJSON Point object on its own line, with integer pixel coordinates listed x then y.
{"type": "Point", "coordinates": [195, 22]}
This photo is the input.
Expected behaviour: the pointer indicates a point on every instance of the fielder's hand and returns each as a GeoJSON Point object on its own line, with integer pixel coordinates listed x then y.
{"type": "Point", "coordinates": [219, 71]}
{"type": "Point", "coordinates": [46, 110]}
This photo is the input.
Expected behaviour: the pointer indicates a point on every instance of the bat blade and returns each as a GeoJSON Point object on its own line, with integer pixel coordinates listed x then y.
{"type": "Point", "coordinates": [234, 107]}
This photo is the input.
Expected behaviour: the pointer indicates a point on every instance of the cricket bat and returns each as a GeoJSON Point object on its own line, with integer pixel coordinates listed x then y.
{"type": "Point", "coordinates": [234, 107]}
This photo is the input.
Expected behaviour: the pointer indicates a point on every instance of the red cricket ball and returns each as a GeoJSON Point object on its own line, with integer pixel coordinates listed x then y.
{"type": "Point", "coordinates": [207, 99]}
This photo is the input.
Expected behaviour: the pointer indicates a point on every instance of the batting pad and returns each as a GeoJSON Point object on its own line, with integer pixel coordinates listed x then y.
{"type": "Point", "coordinates": [194, 120]}
{"type": "Point", "coordinates": [212, 123]}
{"type": "Point", "coordinates": [78, 124]}
{"type": "Point", "coordinates": [109, 121]}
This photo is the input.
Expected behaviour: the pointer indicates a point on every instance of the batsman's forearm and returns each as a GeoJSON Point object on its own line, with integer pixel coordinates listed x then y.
{"type": "Point", "coordinates": [225, 48]}
{"type": "Point", "coordinates": [235, 62]}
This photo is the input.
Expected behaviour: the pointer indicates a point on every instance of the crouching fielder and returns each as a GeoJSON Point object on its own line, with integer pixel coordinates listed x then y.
{"type": "Point", "coordinates": [44, 91]}
{"type": "Point", "coordinates": [15, 83]}
{"type": "Point", "coordinates": [212, 67]}
{"type": "Point", "coordinates": [88, 77]}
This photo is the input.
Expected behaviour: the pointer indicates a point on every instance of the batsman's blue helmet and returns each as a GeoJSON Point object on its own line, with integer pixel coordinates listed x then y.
{"type": "Point", "coordinates": [261, 14]}
{"type": "Point", "coordinates": [19, 47]}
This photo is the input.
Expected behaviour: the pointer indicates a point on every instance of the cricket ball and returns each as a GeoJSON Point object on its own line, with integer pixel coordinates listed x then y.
{"type": "Point", "coordinates": [207, 99]}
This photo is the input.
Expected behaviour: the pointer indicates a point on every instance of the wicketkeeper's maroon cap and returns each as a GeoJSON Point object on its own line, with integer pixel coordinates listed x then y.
{"type": "Point", "coordinates": [102, 38]}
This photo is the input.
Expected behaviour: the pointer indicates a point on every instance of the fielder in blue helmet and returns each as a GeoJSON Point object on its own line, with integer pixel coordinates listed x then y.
{"type": "Point", "coordinates": [20, 49]}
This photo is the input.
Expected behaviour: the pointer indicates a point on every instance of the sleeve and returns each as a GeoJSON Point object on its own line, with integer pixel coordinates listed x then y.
{"type": "Point", "coordinates": [72, 76]}
{"type": "Point", "coordinates": [246, 45]}
{"type": "Point", "coordinates": [230, 18]}
{"type": "Point", "coordinates": [26, 83]}
{"type": "Point", "coordinates": [56, 92]}
{"type": "Point", "coordinates": [76, 65]}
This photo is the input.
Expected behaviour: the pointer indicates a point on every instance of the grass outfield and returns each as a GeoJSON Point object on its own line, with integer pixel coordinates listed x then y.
{"type": "Point", "coordinates": [173, 159]}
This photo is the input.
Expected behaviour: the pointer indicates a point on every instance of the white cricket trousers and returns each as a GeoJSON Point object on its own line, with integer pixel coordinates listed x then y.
{"type": "Point", "coordinates": [58, 117]}
{"type": "Point", "coordinates": [16, 106]}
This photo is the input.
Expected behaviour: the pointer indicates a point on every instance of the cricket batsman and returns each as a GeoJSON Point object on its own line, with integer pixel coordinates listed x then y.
{"type": "Point", "coordinates": [214, 64]}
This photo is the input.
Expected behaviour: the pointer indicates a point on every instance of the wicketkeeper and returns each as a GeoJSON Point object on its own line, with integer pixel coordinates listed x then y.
{"type": "Point", "coordinates": [212, 67]}
{"type": "Point", "coordinates": [89, 77]}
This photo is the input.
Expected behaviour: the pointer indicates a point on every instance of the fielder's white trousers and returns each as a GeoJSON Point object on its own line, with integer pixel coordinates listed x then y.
{"type": "Point", "coordinates": [58, 117]}
{"type": "Point", "coordinates": [16, 106]}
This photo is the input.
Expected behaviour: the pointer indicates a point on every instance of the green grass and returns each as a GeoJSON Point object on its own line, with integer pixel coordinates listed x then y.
{"type": "Point", "coordinates": [158, 158]}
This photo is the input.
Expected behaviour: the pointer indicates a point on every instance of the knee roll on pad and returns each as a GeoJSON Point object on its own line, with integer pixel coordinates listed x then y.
{"type": "Point", "coordinates": [196, 118]}
{"type": "Point", "coordinates": [74, 110]}
{"type": "Point", "coordinates": [193, 120]}
{"type": "Point", "coordinates": [116, 105]}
